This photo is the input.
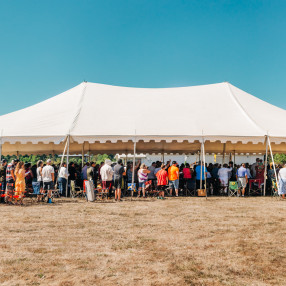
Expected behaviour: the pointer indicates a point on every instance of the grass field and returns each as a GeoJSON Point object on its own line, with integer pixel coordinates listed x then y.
{"type": "Point", "coordinates": [179, 241]}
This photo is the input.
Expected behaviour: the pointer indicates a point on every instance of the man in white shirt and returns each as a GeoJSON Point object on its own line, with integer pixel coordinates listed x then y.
{"type": "Point", "coordinates": [282, 181]}
{"type": "Point", "coordinates": [106, 174]}
{"type": "Point", "coordinates": [224, 175]}
{"type": "Point", "coordinates": [48, 175]}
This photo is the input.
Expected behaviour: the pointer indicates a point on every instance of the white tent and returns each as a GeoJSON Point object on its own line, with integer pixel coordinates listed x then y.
{"type": "Point", "coordinates": [175, 120]}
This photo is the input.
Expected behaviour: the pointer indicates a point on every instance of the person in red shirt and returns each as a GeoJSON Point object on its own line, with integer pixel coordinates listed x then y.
{"type": "Point", "coordinates": [187, 176]}
{"type": "Point", "coordinates": [162, 181]}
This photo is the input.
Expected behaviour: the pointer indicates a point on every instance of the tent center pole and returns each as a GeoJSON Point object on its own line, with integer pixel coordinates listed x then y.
{"type": "Point", "coordinates": [204, 168]}
{"type": "Point", "coordinates": [272, 158]}
{"type": "Point", "coordinates": [201, 174]}
{"type": "Point", "coordinates": [68, 152]}
{"type": "Point", "coordinates": [1, 145]}
{"type": "Point", "coordinates": [133, 170]}
{"type": "Point", "coordinates": [223, 153]}
{"type": "Point", "coordinates": [82, 155]}
{"type": "Point", "coordinates": [265, 166]}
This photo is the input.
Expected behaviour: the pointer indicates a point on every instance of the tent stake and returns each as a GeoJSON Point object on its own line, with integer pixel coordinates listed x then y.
{"type": "Point", "coordinates": [265, 166]}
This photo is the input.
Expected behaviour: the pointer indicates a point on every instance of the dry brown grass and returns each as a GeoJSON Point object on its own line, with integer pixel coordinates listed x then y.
{"type": "Point", "coordinates": [180, 241]}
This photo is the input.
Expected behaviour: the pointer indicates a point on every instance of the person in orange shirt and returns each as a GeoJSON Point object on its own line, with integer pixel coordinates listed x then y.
{"type": "Point", "coordinates": [173, 174]}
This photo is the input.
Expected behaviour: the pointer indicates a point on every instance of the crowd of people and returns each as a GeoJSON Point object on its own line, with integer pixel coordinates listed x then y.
{"type": "Point", "coordinates": [18, 178]}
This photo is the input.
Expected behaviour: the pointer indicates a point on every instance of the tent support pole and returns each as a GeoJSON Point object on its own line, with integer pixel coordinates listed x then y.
{"type": "Point", "coordinates": [272, 158]}
{"type": "Point", "coordinates": [82, 155]}
{"type": "Point", "coordinates": [1, 145]}
{"type": "Point", "coordinates": [68, 153]}
{"type": "Point", "coordinates": [204, 159]}
{"type": "Point", "coordinates": [62, 160]}
{"type": "Point", "coordinates": [265, 166]}
{"type": "Point", "coordinates": [201, 175]}
{"type": "Point", "coordinates": [223, 153]}
{"type": "Point", "coordinates": [233, 158]}
{"type": "Point", "coordinates": [133, 170]}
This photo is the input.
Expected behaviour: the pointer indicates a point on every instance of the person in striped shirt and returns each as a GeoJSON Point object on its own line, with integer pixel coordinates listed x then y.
{"type": "Point", "coordinates": [142, 178]}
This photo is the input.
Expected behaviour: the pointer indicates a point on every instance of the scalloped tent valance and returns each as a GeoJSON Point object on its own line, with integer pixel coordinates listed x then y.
{"type": "Point", "coordinates": [108, 119]}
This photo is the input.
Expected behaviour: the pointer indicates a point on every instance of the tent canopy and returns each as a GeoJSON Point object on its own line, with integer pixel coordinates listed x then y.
{"type": "Point", "coordinates": [170, 120]}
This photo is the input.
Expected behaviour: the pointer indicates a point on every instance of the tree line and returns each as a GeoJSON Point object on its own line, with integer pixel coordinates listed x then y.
{"type": "Point", "coordinates": [56, 159]}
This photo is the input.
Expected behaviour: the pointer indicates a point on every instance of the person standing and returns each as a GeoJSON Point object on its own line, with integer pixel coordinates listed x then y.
{"type": "Point", "coordinates": [142, 178]}
{"type": "Point", "coordinates": [62, 178]}
{"type": "Point", "coordinates": [242, 179]}
{"type": "Point", "coordinates": [106, 174]}
{"type": "Point", "coordinates": [224, 175]}
{"type": "Point", "coordinates": [253, 168]}
{"type": "Point", "coordinates": [260, 171]}
{"type": "Point", "coordinates": [187, 176]}
{"type": "Point", "coordinates": [89, 172]}
{"type": "Point", "coordinates": [48, 174]}
{"type": "Point", "coordinates": [10, 181]}
{"type": "Point", "coordinates": [200, 171]}
{"type": "Point", "coordinates": [151, 175]}
{"type": "Point", "coordinates": [20, 182]}
{"type": "Point", "coordinates": [28, 176]}
{"type": "Point", "coordinates": [3, 179]}
{"type": "Point", "coordinates": [39, 191]}
{"type": "Point", "coordinates": [173, 174]}
{"type": "Point", "coordinates": [162, 181]}
{"type": "Point", "coordinates": [282, 181]}
{"type": "Point", "coordinates": [118, 177]}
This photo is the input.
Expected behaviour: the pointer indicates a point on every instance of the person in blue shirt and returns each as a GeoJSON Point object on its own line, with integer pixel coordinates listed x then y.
{"type": "Point", "coordinates": [198, 175]}
{"type": "Point", "coordinates": [242, 179]}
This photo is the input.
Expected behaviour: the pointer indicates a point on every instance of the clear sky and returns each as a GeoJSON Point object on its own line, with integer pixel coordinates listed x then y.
{"type": "Point", "coordinates": [49, 46]}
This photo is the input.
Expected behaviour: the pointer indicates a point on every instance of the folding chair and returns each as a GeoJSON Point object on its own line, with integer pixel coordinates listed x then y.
{"type": "Point", "coordinates": [101, 193]}
{"type": "Point", "coordinates": [232, 188]}
{"type": "Point", "coordinates": [223, 189]}
{"type": "Point", "coordinates": [189, 191]}
{"type": "Point", "coordinates": [75, 191]}
{"type": "Point", "coordinates": [56, 192]}
{"type": "Point", "coordinates": [132, 188]}
{"type": "Point", "coordinates": [29, 194]}
{"type": "Point", "coordinates": [9, 193]}
{"type": "Point", "coordinates": [255, 187]}
{"type": "Point", "coordinates": [274, 189]}
{"type": "Point", "coordinates": [148, 188]}
{"type": "Point", "coordinates": [2, 194]}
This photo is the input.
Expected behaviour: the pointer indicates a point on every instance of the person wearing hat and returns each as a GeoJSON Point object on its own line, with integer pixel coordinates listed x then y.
{"type": "Point", "coordinates": [3, 179]}
{"type": "Point", "coordinates": [106, 173]}
{"type": "Point", "coordinates": [48, 175]}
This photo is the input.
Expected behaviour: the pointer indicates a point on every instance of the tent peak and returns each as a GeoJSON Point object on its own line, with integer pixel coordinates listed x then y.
{"type": "Point", "coordinates": [151, 88]}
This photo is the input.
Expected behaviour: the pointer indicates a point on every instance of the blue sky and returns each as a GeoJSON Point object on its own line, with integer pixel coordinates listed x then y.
{"type": "Point", "coordinates": [49, 46]}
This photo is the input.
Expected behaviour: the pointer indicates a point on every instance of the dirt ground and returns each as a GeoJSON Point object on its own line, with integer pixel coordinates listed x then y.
{"type": "Point", "coordinates": [179, 241]}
